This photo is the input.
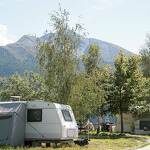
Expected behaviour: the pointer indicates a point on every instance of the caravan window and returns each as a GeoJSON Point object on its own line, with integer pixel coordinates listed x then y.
{"type": "Point", "coordinates": [66, 115]}
{"type": "Point", "coordinates": [34, 115]}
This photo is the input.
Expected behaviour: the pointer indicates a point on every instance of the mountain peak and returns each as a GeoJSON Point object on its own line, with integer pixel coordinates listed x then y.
{"type": "Point", "coordinates": [27, 38]}
{"type": "Point", "coordinates": [21, 55]}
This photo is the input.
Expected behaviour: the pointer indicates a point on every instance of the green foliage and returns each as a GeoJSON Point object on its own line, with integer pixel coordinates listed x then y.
{"type": "Point", "coordinates": [141, 102]}
{"type": "Point", "coordinates": [128, 82]}
{"type": "Point", "coordinates": [88, 94]}
{"type": "Point", "coordinates": [29, 86]}
{"type": "Point", "coordinates": [129, 86]}
{"type": "Point", "coordinates": [145, 55]}
{"type": "Point", "coordinates": [92, 60]}
{"type": "Point", "coordinates": [58, 57]}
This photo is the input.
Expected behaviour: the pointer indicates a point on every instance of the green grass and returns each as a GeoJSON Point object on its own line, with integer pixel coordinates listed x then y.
{"type": "Point", "coordinates": [128, 143]}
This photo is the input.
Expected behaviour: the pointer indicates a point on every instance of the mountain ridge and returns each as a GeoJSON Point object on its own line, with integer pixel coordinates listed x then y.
{"type": "Point", "coordinates": [20, 56]}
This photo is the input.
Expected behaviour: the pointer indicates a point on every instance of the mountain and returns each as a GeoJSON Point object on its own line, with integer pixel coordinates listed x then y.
{"type": "Point", "coordinates": [108, 50]}
{"type": "Point", "coordinates": [21, 55]}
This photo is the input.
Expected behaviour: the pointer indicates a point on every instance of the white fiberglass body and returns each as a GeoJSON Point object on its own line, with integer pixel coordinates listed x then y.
{"type": "Point", "coordinates": [49, 121]}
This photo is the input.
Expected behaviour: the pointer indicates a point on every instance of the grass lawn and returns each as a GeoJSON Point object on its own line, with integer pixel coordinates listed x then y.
{"type": "Point", "coordinates": [124, 143]}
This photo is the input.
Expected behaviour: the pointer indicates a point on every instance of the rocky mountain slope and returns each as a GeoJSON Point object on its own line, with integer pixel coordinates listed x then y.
{"type": "Point", "coordinates": [21, 55]}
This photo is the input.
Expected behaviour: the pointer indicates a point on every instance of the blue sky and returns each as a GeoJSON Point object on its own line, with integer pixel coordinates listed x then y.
{"type": "Point", "coordinates": [122, 22]}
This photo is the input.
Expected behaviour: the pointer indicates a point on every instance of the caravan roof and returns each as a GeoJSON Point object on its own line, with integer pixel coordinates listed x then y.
{"type": "Point", "coordinates": [46, 104]}
{"type": "Point", "coordinates": [11, 106]}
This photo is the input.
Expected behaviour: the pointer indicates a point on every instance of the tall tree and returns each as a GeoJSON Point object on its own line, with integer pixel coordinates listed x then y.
{"type": "Point", "coordinates": [58, 57]}
{"type": "Point", "coordinates": [87, 94]}
{"type": "Point", "coordinates": [145, 54]}
{"type": "Point", "coordinates": [145, 59]}
{"type": "Point", "coordinates": [128, 85]}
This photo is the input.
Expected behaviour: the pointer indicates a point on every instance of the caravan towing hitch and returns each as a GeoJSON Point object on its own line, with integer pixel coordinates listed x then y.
{"type": "Point", "coordinates": [82, 141]}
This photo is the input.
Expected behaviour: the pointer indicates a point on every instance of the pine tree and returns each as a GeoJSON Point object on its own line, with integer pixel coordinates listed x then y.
{"type": "Point", "coordinates": [129, 86]}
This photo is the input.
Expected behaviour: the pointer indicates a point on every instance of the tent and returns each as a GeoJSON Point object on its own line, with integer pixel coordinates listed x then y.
{"type": "Point", "coordinates": [12, 123]}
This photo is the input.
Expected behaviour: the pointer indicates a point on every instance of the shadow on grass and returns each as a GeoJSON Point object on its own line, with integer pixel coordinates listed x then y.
{"type": "Point", "coordinates": [107, 135]}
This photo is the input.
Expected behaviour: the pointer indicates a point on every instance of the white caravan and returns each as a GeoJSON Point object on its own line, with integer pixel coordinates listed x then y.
{"type": "Point", "coordinates": [49, 122]}
{"type": "Point", "coordinates": [25, 122]}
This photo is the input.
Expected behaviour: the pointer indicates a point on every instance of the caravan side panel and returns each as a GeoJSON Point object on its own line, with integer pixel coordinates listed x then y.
{"type": "Point", "coordinates": [47, 121]}
{"type": "Point", "coordinates": [49, 128]}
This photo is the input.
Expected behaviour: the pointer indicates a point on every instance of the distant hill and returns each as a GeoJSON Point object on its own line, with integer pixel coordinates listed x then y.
{"type": "Point", "coordinates": [21, 55]}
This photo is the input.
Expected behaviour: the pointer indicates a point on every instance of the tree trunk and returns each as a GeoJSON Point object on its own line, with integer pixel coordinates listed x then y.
{"type": "Point", "coordinates": [121, 121]}
{"type": "Point", "coordinates": [121, 112]}
{"type": "Point", "coordinates": [98, 128]}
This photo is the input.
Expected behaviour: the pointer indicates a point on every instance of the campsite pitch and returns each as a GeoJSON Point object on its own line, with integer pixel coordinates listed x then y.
{"type": "Point", "coordinates": [125, 143]}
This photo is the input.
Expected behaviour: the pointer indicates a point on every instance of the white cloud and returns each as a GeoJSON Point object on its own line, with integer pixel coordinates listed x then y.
{"type": "Point", "coordinates": [5, 37]}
